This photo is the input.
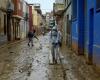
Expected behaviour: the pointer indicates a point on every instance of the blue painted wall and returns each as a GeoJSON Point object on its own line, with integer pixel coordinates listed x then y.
{"type": "Point", "coordinates": [81, 25]}
{"type": "Point", "coordinates": [78, 26]}
{"type": "Point", "coordinates": [96, 46]}
{"type": "Point", "coordinates": [75, 31]}
{"type": "Point", "coordinates": [86, 29]}
{"type": "Point", "coordinates": [91, 4]}
{"type": "Point", "coordinates": [74, 22]}
{"type": "Point", "coordinates": [81, 29]}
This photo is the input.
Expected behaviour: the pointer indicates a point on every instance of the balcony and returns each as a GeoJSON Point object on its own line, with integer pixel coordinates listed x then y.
{"type": "Point", "coordinates": [58, 8]}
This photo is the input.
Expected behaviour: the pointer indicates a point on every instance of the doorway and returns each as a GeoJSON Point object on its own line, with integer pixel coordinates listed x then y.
{"type": "Point", "coordinates": [91, 26]}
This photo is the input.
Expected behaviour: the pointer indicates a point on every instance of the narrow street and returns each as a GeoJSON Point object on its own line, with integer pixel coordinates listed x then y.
{"type": "Point", "coordinates": [71, 24]}
{"type": "Point", "coordinates": [20, 62]}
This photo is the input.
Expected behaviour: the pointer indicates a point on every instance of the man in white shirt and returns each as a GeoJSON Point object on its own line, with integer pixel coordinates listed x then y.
{"type": "Point", "coordinates": [55, 39]}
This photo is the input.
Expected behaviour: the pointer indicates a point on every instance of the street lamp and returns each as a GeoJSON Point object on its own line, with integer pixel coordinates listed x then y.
{"type": "Point", "coordinates": [10, 9]}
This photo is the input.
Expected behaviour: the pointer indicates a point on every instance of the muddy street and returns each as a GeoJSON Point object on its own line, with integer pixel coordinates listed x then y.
{"type": "Point", "coordinates": [49, 40]}
{"type": "Point", "coordinates": [21, 62]}
{"type": "Point", "coordinates": [18, 61]}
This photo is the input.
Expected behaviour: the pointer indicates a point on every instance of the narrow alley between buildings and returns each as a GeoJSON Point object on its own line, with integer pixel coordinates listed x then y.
{"type": "Point", "coordinates": [65, 29]}
{"type": "Point", "coordinates": [21, 62]}
{"type": "Point", "coordinates": [18, 61]}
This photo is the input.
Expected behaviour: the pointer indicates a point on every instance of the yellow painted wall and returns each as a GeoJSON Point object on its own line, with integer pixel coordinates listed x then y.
{"type": "Point", "coordinates": [39, 20]}
{"type": "Point", "coordinates": [35, 17]}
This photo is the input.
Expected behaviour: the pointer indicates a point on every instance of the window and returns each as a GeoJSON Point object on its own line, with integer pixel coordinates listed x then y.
{"type": "Point", "coordinates": [74, 9]}
{"type": "Point", "coordinates": [98, 5]}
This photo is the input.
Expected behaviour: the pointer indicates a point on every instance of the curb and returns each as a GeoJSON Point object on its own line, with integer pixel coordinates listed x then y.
{"type": "Point", "coordinates": [11, 43]}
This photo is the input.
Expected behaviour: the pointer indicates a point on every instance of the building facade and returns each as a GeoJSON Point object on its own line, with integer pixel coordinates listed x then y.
{"type": "Point", "coordinates": [85, 29]}
{"type": "Point", "coordinates": [78, 26]}
{"type": "Point", "coordinates": [37, 18]}
{"type": "Point", "coordinates": [67, 18]}
{"type": "Point", "coordinates": [40, 23]}
{"type": "Point", "coordinates": [58, 8]}
{"type": "Point", "coordinates": [92, 23]}
{"type": "Point", "coordinates": [6, 10]}
{"type": "Point", "coordinates": [30, 17]}
{"type": "Point", "coordinates": [25, 21]}
{"type": "Point", "coordinates": [17, 16]}
{"type": "Point", "coordinates": [47, 16]}
{"type": "Point", "coordinates": [3, 21]}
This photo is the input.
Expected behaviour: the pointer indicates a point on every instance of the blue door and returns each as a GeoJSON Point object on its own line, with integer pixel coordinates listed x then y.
{"type": "Point", "coordinates": [91, 26]}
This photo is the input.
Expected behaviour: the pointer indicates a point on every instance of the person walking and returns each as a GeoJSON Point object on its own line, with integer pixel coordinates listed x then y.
{"type": "Point", "coordinates": [31, 35]}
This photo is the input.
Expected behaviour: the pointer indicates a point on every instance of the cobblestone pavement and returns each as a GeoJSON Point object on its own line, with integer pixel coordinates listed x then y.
{"type": "Point", "coordinates": [21, 62]}
{"type": "Point", "coordinates": [76, 68]}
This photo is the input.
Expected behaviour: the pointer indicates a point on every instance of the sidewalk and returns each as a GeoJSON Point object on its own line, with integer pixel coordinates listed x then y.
{"type": "Point", "coordinates": [76, 68]}
{"type": "Point", "coordinates": [10, 43]}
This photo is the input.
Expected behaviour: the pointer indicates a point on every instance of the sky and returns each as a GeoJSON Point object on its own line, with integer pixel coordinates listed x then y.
{"type": "Point", "coordinates": [46, 5]}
